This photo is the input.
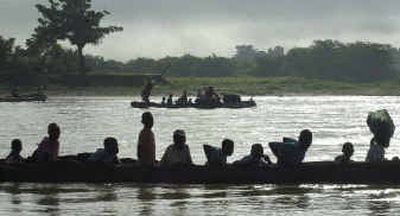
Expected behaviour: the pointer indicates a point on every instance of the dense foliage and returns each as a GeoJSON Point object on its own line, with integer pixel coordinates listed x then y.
{"type": "Point", "coordinates": [331, 60]}
{"type": "Point", "coordinates": [328, 59]}
{"type": "Point", "coordinates": [71, 20]}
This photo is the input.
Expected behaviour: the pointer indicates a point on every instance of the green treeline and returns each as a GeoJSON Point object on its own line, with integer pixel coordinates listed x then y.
{"type": "Point", "coordinates": [324, 59]}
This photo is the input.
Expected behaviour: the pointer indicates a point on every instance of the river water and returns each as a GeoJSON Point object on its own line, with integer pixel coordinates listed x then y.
{"type": "Point", "coordinates": [86, 121]}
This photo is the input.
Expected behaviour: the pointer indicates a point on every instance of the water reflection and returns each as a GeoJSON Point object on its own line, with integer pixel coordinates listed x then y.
{"type": "Point", "coordinates": [48, 199]}
{"type": "Point", "coordinates": [145, 196]}
{"type": "Point", "coordinates": [378, 207]}
{"type": "Point", "coordinates": [105, 193]}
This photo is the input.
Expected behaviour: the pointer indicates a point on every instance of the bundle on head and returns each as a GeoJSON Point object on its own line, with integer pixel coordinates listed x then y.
{"type": "Point", "coordinates": [381, 125]}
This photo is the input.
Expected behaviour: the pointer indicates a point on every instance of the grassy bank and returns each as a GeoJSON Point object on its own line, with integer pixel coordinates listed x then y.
{"type": "Point", "coordinates": [239, 85]}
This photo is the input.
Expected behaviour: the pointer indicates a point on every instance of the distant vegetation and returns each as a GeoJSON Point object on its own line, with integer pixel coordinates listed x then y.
{"type": "Point", "coordinates": [74, 21]}
{"type": "Point", "coordinates": [327, 60]}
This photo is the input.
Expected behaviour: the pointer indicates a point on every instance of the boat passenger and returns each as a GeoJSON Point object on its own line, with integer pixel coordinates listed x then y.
{"type": "Point", "coordinates": [163, 101]}
{"type": "Point", "coordinates": [146, 92]}
{"type": "Point", "coordinates": [217, 156]}
{"type": "Point", "coordinates": [291, 152]}
{"type": "Point", "coordinates": [108, 154]}
{"type": "Point", "coordinates": [15, 92]}
{"type": "Point", "coordinates": [382, 127]}
{"type": "Point", "coordinates": [169, 100]}
{"type": "Point", "coordinates": [48, 148]}
{"type": "Point", "coordinates": [177, 154]}
{"type": "Point", "coordinates": [40, 91]}
{"type": "Point", "coordinates": [14, 156]}
{"type": "Point", "coordinates": [376, 152]}
{"type": "Point", "coordinates": [183, 100]}
{"type": "Point", "coordinates": [146, 148]}
{"type": "Point", "coordinates": [199, 97]}
{"type": "Point", "coordinates": [347, 151]}
{"type": "Point", "coordinates": [256, 157]}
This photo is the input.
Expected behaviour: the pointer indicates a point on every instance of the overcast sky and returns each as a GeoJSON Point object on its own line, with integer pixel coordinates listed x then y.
{"type": "Point", "coordinates": [156, 28]}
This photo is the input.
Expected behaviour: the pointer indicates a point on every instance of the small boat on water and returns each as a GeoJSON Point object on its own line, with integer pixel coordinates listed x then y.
{"type": "Point", "coordinates": [25, 98]}
{"type": "Point", "coordinates": [242, 104]}
{"type": "Point", "coordinates": [71, 170]}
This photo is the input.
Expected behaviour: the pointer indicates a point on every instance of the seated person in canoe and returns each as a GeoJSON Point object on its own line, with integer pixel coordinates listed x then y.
{"type": "Point", "coordinates": [108, 154]}
{"type": "Point", "coordinates": [48, 148]}
{"type": "Point", "coordinates": [178, 153]}
{"type": "Point", "coordinates": [14, 156]}
{"type": "Point", "coordinates": [256, 157]}
{"type": "Point", "coordinates": [217, 156]}
{"type": "Point", "coordinates": [291, 152]}
{"type": "Point", "coordinates": [347, 152]}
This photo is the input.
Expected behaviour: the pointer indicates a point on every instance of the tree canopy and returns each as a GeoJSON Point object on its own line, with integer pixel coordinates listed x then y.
{"type": "Point", "coordinates": [71, 20]}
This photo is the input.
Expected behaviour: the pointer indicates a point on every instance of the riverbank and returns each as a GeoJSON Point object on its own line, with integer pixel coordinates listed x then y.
{"type": "Point", "coordinates": [239, 85]}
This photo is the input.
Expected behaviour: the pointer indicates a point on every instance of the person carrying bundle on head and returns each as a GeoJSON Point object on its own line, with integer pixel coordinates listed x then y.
{"type": "Point", "coordinates": [382, 127]}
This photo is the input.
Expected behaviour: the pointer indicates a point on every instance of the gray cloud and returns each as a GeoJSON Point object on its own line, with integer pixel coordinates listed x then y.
{"type": "Point", "coordinates": [155, 28]}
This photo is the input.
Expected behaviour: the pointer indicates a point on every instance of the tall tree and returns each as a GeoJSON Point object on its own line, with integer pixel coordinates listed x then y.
{"type": "Point", "coordinates": [6, 52]}
{"type": "Point", "coordinates": [71, 20]}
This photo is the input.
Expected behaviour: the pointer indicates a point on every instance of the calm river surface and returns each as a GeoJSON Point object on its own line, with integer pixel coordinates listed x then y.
{"type": "Point", "coordinates": [86, 121]}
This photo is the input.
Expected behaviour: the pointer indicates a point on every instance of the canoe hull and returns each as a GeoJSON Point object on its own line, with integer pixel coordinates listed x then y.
{"type": "Point", "coordinates": [308, 173]}
{"type": "Point", "coordinates": [243, 104]}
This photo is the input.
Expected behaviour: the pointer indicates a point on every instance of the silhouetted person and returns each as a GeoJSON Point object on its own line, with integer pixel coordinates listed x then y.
{"type": "Point", "coordinates": [108, 154]}
{"type": "Point", "coordinates": [183, 99]}
{"type": "Point", "coordinates": [146, 148]}
{"type": "Point", "coordinates": [169, 100]}
{"type": "Point", "coordinates": [146, 92]}
{"type": "Point", "coordinates": [376, 152]}
{"type": "Point", "coordinates": [347, 151]}
{"type": "Point", "coordinates": [48, 148]}
{"type": "Point", "coordinates": [40, 91]}
{"type": "Point", "coordinates": [217, 156]}
{"type": "Point", "coordinates": [292, 152]}
{"type": "Point", "coordinates": [14, 156]}
{"type": "Point", "coordinates": [15, 92]}
{"type": "Point", "coordinates": [178, 153]}
{"type": "Point", "coordinates": [163, 101]}
{"type": "Point", "coordinates": [199, 97]}
{"type": "Point", "coordinates": [256, 157]}
{"type": "Point", "coordinates": [382, 127]}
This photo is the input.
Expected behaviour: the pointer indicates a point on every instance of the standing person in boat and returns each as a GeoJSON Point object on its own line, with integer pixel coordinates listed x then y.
{"type": "Point", "coordinates": [183, 100]}
{"type": "Point", "coordinates": [108, 154]}
{"type": "Point", "coordinates": [376, 152]}
{"type": "Point", "coordinates": [169, 100]}
{"type": "Point", "coordinates": [256, 157]}
{"type": "Point", "coordinates": [347, 151]}
{"type": "Point", "coordinates": [48, 148]}
{"type": "Point", "coordinates": [291, 152]}
{"type": "Point", "coordinates": [382, 127]}
{"type": "Point", "coordinates": [146, 147]}
{"type": "Point", "coordinates": [15, 91]}
{"type": "Point", "coordinates": [14, 156]}
{"type": "Point", "coordinates": [177, 154]}
{"type": "Point", "coordinates": [217, 156]}
{"type": "Point", "coordinates": [199, 97]}
{"type": "Point", "coordinates": [146, 92]}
